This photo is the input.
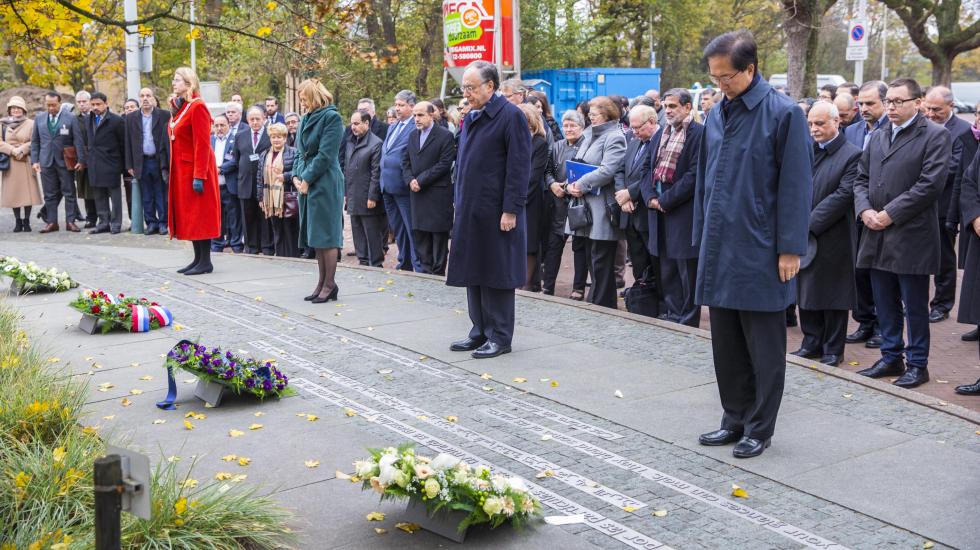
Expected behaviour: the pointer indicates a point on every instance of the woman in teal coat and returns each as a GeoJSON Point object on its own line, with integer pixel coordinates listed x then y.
{"type": "Point", "coordinates": [317, 176]}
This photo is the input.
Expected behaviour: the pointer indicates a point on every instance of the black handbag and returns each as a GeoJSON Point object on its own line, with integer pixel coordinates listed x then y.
{"type": "Point", "coordinates": [290, 204]}
{"type": "Point", "coordinates": [4, 158]}
{"type": "Point", "coordinates": [643, 299]}
{"type": "Point", "coordinates": [579, 214]}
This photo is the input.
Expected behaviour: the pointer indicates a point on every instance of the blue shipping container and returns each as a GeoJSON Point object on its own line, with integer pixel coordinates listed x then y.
{"type": "Point", "coordinates": [567, 87]}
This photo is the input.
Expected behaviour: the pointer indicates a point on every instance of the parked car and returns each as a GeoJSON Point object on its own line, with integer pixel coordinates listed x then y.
{"type": "Point", "coordinates": [967, 95]}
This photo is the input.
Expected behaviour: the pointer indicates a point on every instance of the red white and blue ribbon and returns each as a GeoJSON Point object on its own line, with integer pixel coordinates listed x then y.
{"type": "Point", "coordinates": [162, 315]}
{"type": "Point", "coordinates": [141, 319]}
{"type": "Point", "coordinates": [168, 402]}
{"type": "Point", "coordinates": [112, 299]}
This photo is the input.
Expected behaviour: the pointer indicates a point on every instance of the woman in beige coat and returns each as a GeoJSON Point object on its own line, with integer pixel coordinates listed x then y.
{"type": "Point", "coordinates": [18, 184]}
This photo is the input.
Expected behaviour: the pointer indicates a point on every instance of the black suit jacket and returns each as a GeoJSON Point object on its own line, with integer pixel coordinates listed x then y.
{"type": "Point", "coordinates": [430, 165]}
{"type": "Point", "coordinates": [106, 146]}
{"type": "Point", "coordinates": [379, 128]}
{"type": "Point", "coordinates": [675, 198]}
{"type": "Point", "coordinates": [959, 131]}
{"type": "Point", "coordinates": [630, 177]}
{"type": "Point", "coordinates": [134, 140]}
{"type": "Point", "coordinates": [247, 168]}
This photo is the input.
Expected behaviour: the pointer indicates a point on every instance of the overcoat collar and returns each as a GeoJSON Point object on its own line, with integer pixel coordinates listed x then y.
{"type": "Point", "coordinates": [904, 136]}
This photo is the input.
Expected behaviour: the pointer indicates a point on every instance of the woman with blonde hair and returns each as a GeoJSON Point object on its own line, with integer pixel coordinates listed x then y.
{"type": "Point", "coordinates": [317, 177]}
{"type": "Point", "coordinates": [18, 183]}
{"type": "Point", "coordinates": [534, 205]}
{"type": "Point", "coordinates": [277, 193]}
{"type": "Point", "coordinates": [195, 204]}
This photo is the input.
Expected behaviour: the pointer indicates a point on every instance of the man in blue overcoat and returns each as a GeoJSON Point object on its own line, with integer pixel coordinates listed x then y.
{"type": "Point", "coordinates": [751, 211]}
{"type": "Point", "coordinates": [489, 241]}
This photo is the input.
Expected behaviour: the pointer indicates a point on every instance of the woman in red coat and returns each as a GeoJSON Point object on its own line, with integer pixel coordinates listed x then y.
{"type": "Point", "coordinates": [195, 204]}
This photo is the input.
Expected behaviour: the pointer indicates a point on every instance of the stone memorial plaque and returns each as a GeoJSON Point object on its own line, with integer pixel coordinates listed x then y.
{"type": "Point", "coordinates": [444, 523]}
{"type": "Point", "coordinates": [209, 392]}
{"type": "Point", "coordinates": [88, 323]}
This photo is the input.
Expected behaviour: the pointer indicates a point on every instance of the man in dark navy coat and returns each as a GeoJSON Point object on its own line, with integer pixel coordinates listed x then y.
{"type": "Point", "coordinates": [751, 206]}
{"type": "Point", "coordinates": [426, 166]}
{"type": "Point", "coordinates": [106, 145]}
{"type": "Point", "coordinates": [667, 192]}
{"type": "Point", "coordinates": [896, 195]}
{"type": "Point", "coordinates": [939, 108]}
{"type": "Point", "coordinates": [489, 252]}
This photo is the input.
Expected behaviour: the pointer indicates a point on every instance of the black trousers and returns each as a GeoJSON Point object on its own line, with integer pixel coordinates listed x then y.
{"type": "Point", "coordinates": [552, 261]}
{"type": "Point", "coordinates": [110, 217]}
{"type": "Point", "coordinates": [864, 312]}
{"type": "Point", "coordinates": [824, 330]}
{"type": "Point", "coordinates": [492, 313]}
{"type": "Point", "coordinates": [257, 229]}
{"type": "Point", "coordinates": [945, 280]}
{"type": "Point", "coordinates": [639, 254]}
{"type": "Point", "coordinates": [57, 183]}
{"type": "Point", "coordinates": [231, 223]}
{"type": "Point", "coordinates": [749, 349]}
{"type": "Point", "coordinates": [285, 236]}
{"type": "Point", "coordinates": [603, 292]}
{"type": "Point", "coordinates": [432, 249]}
{"type": "Point", "coordinates": [369, 234]}
{"type": "Point", "coordinates": [677, 281]}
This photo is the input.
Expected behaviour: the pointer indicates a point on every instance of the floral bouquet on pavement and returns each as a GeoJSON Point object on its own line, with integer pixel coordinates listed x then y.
{"type": "Point", "coordinates": [132, 314]}
{"type": "Point", "coordinates": [242, 375]}
{"type": "Point", "coordinates": [28, 277]}
{"type": "Point", "coordinates": [446, 482]}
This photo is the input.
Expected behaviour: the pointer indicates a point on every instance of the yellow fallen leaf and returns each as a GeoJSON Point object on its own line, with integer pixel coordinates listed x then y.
{"type": "Point", "coordinates": [659, 513]}
{"type": "Point", "coordinates": [147, 377]}
{"type": "Point", "coordinates": [853, 363]}
{"type": "Point", "coordinates": [338, 474]}
{"type": "Point", "coordinates": [520, 380]}
{"type": "Point", "coordinates": [591, 483]}
{"type": "Point", "coordinates": [938, 381]}
{"type": "Point", "coordinates": [544, 474]}
{"type": "Point", "coordinates": [848, 395]}
{"type": "Point", "coordinates": [173, 458]}
{"type": "Point", "coordinates": [110, 417]}
{"type": "Point", "coordinates": [943, 403]}
{"type": "Point", "coordinates": [390, 282]}
{"type": "Point", "coordinates": [344, 340]}
{"type": "Point", "coordinates": [380, 530]}
{"type": "Point", "coordinates": [243, 461]}
{"type": "Point", "coordinates": [927, 545]}
{"type": "Point", "coordinates": [301, 415]}
{"type": "Point", "coordinates": [260, 413]}
{"type": "Point", "coordinates": [423, 357]}
{"type": "Point", "coordinates": [54, 360]}
{"type": "Point", "coordinates": [229, 458]}
{"type": "Point", "coordinates": [159, 421]}
{"type": "Point", "coordinates": [312, 418]}
{"type": "Point", "coordinates": [255, 427]}
{"type": "Point", "coordinates": [135, 392]}
{"type": "Point", "coordinates": [90, 430]}
{"type": "Point", "coordinates": [258, 298]}
{"type": "Point", "coordinates": [545, 437]}
{"type": "Point", "coordinates": [350, 412]}
{"type": "Point", "coordinates": [554, 383]}
{"type": "Point", "coordinates": [235, 433]}
{"type": "Point", "coordinates": [96, 366]}
{"type": "Point", "coordinates": [486, 376]}
{"type": "Point", "coordinates": [188, 483]}
{"type": "Point", "coordinates": [629, 509]}
{"type": "Point", "coordinates": [408, 527]}
{"type": "Point", "coordinates": [977, 432]}
{"type": "Point", "coordinates": [208, 406]}
{"type": "Point", "coordinates": [385, 371]}
{"type": "Point", "coordinates": [188, 425]}
{"type": "Point", "coordinates": [106, 386]}
{"type": "Point", "coordinates": [422, 417]}
{"type": "Point", "coordinates": [739, 492]}
{"type": "Point", "coordinates": [239, 478]}
{"type": "Point", "coordinates": [452, 419]}
{"type": "Point", "coordinates": [90, 358]}
{"type": "Point", "coordinates": [178, 326]}
{"type": "Point", "coordinates": [375, 516]}
{"type": "Point", "coordinates": [487, 388]}
{"type": "Point", "coordinates": [134, 364]}
{"type": "Point", "coordinates": [58, 454]}
{"type": "Point", "coordinates": [222, 476]}
{"type": "Point", "coordinates": [381, 289]}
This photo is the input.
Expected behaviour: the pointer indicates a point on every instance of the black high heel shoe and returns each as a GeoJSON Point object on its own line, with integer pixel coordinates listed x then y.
{"type": "Point", "coordinates": [314, 295]}
{"type": "Point", "coordinates": [331, 296]}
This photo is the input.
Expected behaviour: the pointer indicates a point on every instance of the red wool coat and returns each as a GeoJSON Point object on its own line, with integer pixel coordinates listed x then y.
{"type": "Point", "coordinates": [193, 216]}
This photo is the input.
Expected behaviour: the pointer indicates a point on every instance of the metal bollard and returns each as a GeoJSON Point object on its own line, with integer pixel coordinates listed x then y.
{"type": "Point", "coordinates": [108, 502]}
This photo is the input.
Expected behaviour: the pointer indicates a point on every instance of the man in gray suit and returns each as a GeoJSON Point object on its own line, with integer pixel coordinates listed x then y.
{"type": "Point", "coordinates": [643, 122]}
{"type": "Point", "coordinates": [54, 130]}
{"type": "Point", "coordinates": [362, 199]}
{"type": "Point", "coordinates": [896, 195]}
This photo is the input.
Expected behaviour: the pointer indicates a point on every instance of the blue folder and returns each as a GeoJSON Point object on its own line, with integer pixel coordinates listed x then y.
{"type": "Point", "coordinates": [575, 170]}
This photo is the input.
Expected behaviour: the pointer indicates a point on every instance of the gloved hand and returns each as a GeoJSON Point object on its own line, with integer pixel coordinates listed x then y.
{"type": "Point", "coordinates": [198, 185]}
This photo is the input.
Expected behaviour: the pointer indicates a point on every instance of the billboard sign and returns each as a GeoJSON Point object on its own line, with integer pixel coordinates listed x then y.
{"type": "Point", "coordinates": [468, 33]}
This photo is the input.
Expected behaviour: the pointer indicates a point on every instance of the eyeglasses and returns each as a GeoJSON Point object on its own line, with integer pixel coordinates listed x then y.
{"type": "Point", "coordinates": [469, 88]}
{"type": "Point", "coordinates": [897, 103]}
{"type": "Point", "coordinates": [635, 128]}
{"type": "Point", "coordinates": [724, 79]}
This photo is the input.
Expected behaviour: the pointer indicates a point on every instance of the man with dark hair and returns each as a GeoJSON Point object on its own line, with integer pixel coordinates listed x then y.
{"type": "Point", "coordinates": [397, 199]}
{"type": "Point", "coordinates": [378, 126]}
{"type": "Point", "coordinates": [896, 194]}
{"type": "Point", "coordinates": [84, 191]}
{"type": "Point", "coordinates": [106, 145]}
{"type": "Point", "coordinates": [148, 159]}
{"type": "Point", "coordinates": [272, 114]}
{"type": "Point", "coordinates": [489, 252]}
{"type": "Point", "coordinates": [755, 162]}
{"type": "Point", "coordinates": [939, 108]}
{"type": "Point", "coordinates": [870, 101]}
{"type": "Point", "coordinates": [849, 88]}
{"type": "Point", "coordinates": [362, 182]}
{"type": "Point", "coordinates": [828, 92]}
{"type": "Point", "coordinates": [426, 166]}
{"type": "Point", "coordinates": [668, 188]}
{"type": "Point", "coordinates": [54, 131]}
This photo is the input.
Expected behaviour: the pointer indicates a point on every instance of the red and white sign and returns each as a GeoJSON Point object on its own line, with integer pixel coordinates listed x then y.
{"type": "Point", "coordinates": [468, 33]}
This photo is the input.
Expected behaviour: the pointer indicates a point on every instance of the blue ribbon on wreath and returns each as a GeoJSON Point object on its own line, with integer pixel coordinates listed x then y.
{"type": "Point", "coordinates": [168, 403]}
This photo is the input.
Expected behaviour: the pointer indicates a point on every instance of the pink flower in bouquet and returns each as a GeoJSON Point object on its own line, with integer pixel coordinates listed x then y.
{"type": "Point", "coordinates": [422, 471]}
{"type": "Point", "coordinates": [377, 486]}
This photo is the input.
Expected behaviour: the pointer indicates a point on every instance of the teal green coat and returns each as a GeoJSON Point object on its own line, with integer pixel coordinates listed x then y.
{"type": "Point", "coordinates": [321, 210]}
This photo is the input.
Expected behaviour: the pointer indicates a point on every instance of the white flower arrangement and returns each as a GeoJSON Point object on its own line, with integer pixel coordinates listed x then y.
{"type": "Point", "coordinates": [31, 278]}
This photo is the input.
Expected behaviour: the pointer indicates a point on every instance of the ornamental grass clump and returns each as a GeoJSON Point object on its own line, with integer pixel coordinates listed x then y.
{"type": "Point", "coordinates": [46, 462]}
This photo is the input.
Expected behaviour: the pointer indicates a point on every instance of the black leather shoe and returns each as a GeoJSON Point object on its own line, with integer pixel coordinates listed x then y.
{"type": "Point", "coordinates": [153, 230]}
{"type": "Point", "coordinates": [200, 269]}
{"type": "Point", "coordinates": [831, 359]}
{"type": "Point", "coordinates": [913, 377]}
{"type": "Point", "coordinates": [719, 437]}
{"type": "Point", "coordinates": [971, 336]}
{"type": "Point", "coordinates": [98, 230]}
{"type": "Point", "coordinates": [969, 389]}
{"type": "Point", "coordinates": [89, 225]}
{"type": "Point", "coordinates": [328, 297]}
{"type": "Point", "coordinates": [806, 353]}
{"type": "Point", "coordinates": [862, 334]}
{"type": "Point", "coordinates": [469, 344]}
{"type": "Point", "coordinates": [883, 368]}
{"type": "Point", "coordinates": [791, 320]}
{"type": "Point", "coordinates": [490, 349]}
{"type": "Point", "coordinates": [748, 447]}
{"type": "Point", "coordinates": [874, 342]}
{"type": "Point", "coordinates": [937, 315]}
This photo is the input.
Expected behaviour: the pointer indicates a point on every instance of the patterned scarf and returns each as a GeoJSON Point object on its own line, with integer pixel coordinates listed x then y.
{"type": "Point", "coordinates": [671, 145]}
{"type": "Point", "coordinates": [274, 196]}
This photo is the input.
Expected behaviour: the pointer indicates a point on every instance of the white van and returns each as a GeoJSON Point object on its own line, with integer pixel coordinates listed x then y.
{"type": "Point", "coordinates": [822, 80]}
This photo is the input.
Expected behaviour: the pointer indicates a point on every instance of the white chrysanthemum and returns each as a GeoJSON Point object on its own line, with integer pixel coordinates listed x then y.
{"type": "Point", "coordinates": [444, 462]}
{"type": "Point", "coordinates": [387, 461]}
{"type": "Point", "coordinates": [387, 475]}
{"type": "Point", "coordinates": [364, 468]}
{"type": "Point", "coordinates": [517, 484]}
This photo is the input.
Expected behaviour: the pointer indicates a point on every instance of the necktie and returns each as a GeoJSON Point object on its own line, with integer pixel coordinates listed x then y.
{"type": "Point", "coordinates": [639, 151]}
{"type": "Point", "coordinates": [255, 139]}
{"type": "Point", "coordinates": [98, 119]}
{"type": "Point", "coordinates": [394, 135]}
